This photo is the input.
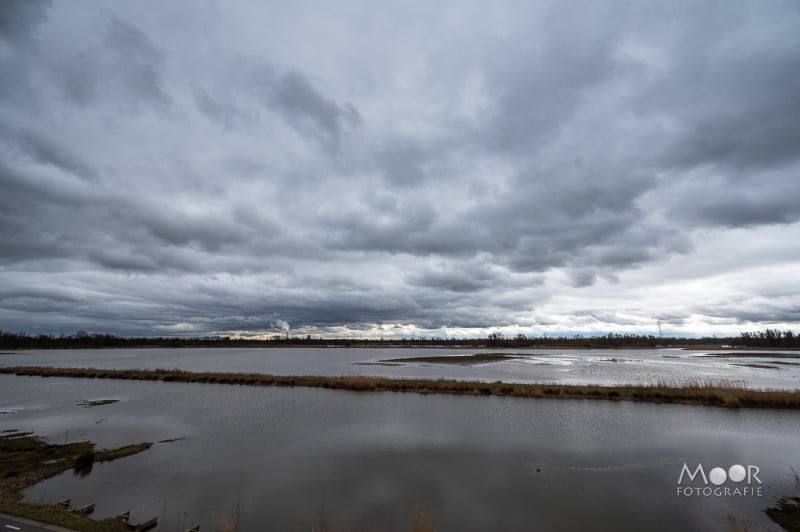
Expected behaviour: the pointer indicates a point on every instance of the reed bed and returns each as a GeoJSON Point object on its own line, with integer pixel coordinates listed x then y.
{"type": "Point", "coordinates": [709, 392]}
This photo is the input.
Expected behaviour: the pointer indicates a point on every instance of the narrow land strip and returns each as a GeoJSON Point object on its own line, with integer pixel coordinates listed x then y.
{"type": "Point", "coordinates": [462, 360]}
{"type": "Point", "coordinates": [694, 392]}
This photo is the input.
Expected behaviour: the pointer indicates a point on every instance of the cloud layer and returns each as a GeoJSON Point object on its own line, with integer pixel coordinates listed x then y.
{"type": "Point", "coordinates": [542, 167]}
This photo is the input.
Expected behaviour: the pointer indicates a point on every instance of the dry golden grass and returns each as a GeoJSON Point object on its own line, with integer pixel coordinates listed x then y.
{"type": "Point", "coordinates": [230, 524]}
{"type": "Point", "coordinates": [708, 392]}
{"type": "Point", "coordinates": [422, 520]}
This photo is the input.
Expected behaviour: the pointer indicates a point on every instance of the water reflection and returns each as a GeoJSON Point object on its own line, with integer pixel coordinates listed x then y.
{"type": "Point", "coordinates": [607, 367]}
{"type": "Point", "coordinates": [479, 463]}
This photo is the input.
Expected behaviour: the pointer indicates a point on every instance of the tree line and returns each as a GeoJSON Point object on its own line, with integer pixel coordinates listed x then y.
{"type": "Point", "coordinates": [82, 340]}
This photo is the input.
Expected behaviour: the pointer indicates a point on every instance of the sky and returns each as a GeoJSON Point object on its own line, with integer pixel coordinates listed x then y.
{"type": "Point", "coordinates": [399, 168]}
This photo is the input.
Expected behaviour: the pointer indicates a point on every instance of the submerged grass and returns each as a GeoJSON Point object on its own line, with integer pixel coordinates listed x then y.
{"type": "Point", "coordinates": [466, 360]}
{"type": "Point", "coordinates": [710, 392]}
{"type": "Point", "coordinates": [751, 354]}
{"type": "Point", "coordinates": [756, 366]}
{"type": "Point", "coordinates": [97, 402]}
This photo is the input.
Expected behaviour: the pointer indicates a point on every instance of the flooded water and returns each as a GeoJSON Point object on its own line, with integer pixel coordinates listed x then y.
{"type": "Point", "coordinates": [574, 366]}
{"type": "Point", "coordinates": [368, 460]}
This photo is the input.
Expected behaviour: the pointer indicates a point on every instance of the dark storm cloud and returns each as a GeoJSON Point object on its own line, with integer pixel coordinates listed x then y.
{"type": "Point", "coordinates": [731, 199]}
{"type": "Point", "coordinates": [408, 162]}
{"type": "Point", "coordinates": [291, 95]}
{"type": "Point", "coordinates": [764, 312]}
{"type": "Point", "coordinates": [740, 105]}
{"type": "Point", "coordinates": [737, 210]}
{"type": "Point", "coordinates": [135, 61]}
{"type": "Point", "coordinates": [544, 224]}
{"type": "Point", "coordinates": [119, 63]}
{"type": "Point", "coordinates": [44, 150]}
{"type": "Point", "coordinates": [551, 74]}
{"type": "Point", "coordinates": [407, 227]}
{"type": "Point", "coordinates": [309, 112]}
{"type": "Point", "coordinates": [42, 218]}
{"type": "Point", "coordinates": [167, 170]}
{"type": "Point", "coordinates": [22, 206]}
{"type": "Point", "coordinates": [464, 278]}
{"type": "Point", "coordinates": [18, 18]}
{"type": "Point", "coordinates": [581, 278]}
{"type": "Point", "coordinates": [224, 114]}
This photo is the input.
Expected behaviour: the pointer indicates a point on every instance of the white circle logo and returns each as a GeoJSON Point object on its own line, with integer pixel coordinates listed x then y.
{"type": "Point", "coordinates": [737, 473]}
{"type": "Point", "coordinates": [717, 476]}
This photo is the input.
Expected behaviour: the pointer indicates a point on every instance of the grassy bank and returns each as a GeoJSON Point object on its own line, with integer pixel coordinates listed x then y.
{"type": "Point", "coordinates": [26, 459]}
{"type": "Point", "coordinates": [694, 392]}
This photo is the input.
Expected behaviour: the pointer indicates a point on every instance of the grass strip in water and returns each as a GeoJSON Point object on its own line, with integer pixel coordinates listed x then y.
{"type": "Point", "coordinates": [464, 360]}
{"type": "Point", "coordinates": [707, 392]}
{"type": "Point", "coordinates": [756, 366]}
{"type": "Point", "coordinates": [98, 402]}
{"type": "Point", "coordinates": [750, 354]}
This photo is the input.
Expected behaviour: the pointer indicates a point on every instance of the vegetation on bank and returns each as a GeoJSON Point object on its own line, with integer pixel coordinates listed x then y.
{"type": "Point", "coordinates": [692, 392]}
{"type": "Point", "coordinates": [786, 513]}
{"type": "Point", "coordinates": [461, 360]}
{"type": "Point", "coordinates": [83, 340]}
{"type": "Point", "coordinates": [26, 459]}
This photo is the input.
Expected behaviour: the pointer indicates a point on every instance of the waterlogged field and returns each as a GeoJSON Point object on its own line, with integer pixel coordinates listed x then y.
{"type": "Point", "coordinates": [606, 367]}
{"type": "Point", "coordinates": [282, 457]}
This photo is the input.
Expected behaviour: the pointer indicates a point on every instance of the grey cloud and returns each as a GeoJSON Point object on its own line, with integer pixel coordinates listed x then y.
{"type": "Point", "coordinates": [408, 227]}
{"type": "Point", "coordinates": [462, 278]}
{"type": "Point", "coordinates": [623, 254]}
{"type": "Point", "coordinates": [15, 87]}
{"type": "Point", "coordinates": [136, 61]}
{"type": "Point", "coordinates": [333, 185]}
{"type": "Point", "coordinates": [748, 211]}
{"type": "Point", "coordinates": [570, 54]}
{"type": "Point", "coordinates": [758, 312]}
{"type": "Point", "coordinates": [28, 200]}
{"type": "Point", "coordinates": [543, 236]}
{"type": "Point", "coordinates": [44, 150]}
{"type": "Point", "coordinates": [226, 115]}
{"type": "Point", "coordinates": [291, 95]}
{"type": "Point", "coordinates": [44, 218]}
{"type": "Point", "coordinates": [18, 18]}
{"type": "Point", "coordinates": [738, 106]}
{"type": "Point", "coordinates": [760, 198]}
{"type": "Point", "coordinates": [582, 278]}
{"type": "Point", "coordinates": [122, 65]}
{"type": "Point", "coordinates": [77, 78]}
{"type": "Point", "coordinates": [408, 162]}
{"type": "Point", "coordinates": [309, 112]}
{"type": "Point", "coordinates": [129, 260]}
{"type": "Point", "coordinates": [212, 233]}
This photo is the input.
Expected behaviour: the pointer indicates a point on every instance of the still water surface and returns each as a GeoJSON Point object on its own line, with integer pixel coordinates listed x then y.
{"type": "Point", "coordinates": [573, 366]}
{"type": "Point", "coordinates": [478, 463]}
